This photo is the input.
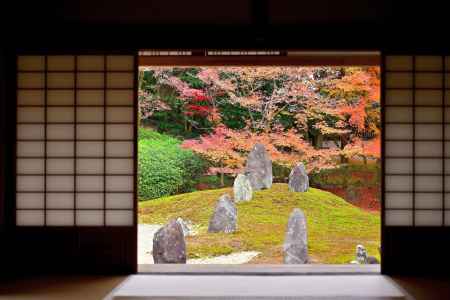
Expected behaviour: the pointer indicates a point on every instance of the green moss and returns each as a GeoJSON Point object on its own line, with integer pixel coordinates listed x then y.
{"type": "Point", "coordinates": [335, 227]}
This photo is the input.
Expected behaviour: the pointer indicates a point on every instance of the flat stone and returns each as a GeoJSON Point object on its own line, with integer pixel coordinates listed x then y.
{"type": "Point", "coordinates": [258, 168]}
{"type": "Point", "coordinates": [169, 246]}
{"type": "Point", "coordinates": [224, 218]}
{"type": "Point", "coordinates": [298, 179]}
{"type": "Point", "coordinates": [296, 241]}
{"type": "Point", "coordinates": [242, 189]}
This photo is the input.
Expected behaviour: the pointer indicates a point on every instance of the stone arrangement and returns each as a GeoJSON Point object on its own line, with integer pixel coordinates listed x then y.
{"type": "Point", "coordinates": [224, 218]}
{"type": "Point", "coordinates": [169, 246]}
{"type": "Point", "coordinates": [186, 226]}
{"type": "Point", "coordinates": [363, 258]}
{"type": "Point", "coordinates": [295, 246]}
{"type": "Point", "coordinates": [298, 179]}
{"type": "Point", "coordinates": [242, 189]}
{"type": "Point", "coordinates": [258, 168]}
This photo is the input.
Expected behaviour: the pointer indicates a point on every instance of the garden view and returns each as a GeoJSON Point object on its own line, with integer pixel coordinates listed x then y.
{"type": "Point", "coordinates": [259, 165]}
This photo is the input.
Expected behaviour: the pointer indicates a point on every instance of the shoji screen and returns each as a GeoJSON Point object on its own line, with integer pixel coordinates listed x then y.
{"type": "Point", "coordinates": [417, 141]}
{"type": "Point", "coordinates": [75, 156]}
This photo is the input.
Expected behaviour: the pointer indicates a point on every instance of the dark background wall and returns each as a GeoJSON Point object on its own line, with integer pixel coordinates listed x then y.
{"type": "Point", "coordinates": [391, 26]}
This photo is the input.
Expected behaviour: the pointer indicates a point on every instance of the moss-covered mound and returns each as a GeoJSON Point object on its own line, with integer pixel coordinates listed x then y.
{"type": "Point", "coordinates": [335, 227]}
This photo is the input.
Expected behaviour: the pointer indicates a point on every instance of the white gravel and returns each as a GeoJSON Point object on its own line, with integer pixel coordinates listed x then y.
{"type": "Point", "coordinates": [145, 246]}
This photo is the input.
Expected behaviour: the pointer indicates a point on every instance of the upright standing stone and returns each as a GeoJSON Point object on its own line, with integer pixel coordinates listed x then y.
{"type": "Point", "coordinates": [298, 179]}
{"type": "Point", "coordinates": [169, 246]}
{"type": "Point", "coordinates": [224, 218]}
{"type": "Point", "coordinates": [242, 189]}
{"type": "Point", "coordinates": [296, 241]}
{"type": "Point", "coordinates": [259, 168]}
{"type": "Point", "coordinates": [362, 256]}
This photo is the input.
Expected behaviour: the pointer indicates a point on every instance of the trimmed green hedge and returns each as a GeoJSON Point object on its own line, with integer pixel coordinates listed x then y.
{"type": "Point", "coordinates": [164, 167]}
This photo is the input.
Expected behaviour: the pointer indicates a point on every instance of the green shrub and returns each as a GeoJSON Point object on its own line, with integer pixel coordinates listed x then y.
{"type": "Point", "coordinates": [164, 167]}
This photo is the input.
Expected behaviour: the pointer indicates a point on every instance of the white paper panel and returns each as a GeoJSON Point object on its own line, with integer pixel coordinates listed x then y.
{"type": "Point", "coordinates": [119, 183]}
{"type": "Point", "coordinates": [447, 97]}
{"type": "Point", "coordinates": [89, 200]}
{"type": "Point", "coordinates": [120, 63]}
{"type": "Point", "coordinates": [428, 63]}
{"type": "Point", "coordinates": [60, 80]}
{"type": "Point", "coordinates": [447, 200]}
{"type": "Point", "coordinates": [428, 218]}
{"type": "Point", "coordinates": [90, 149]}
{"type": "Point", "coordinates": [90, 80]}
{"type": "Point", "coordinates": [447, 218]}
{"type": "Point", "coordinates": [119, 97]}
{"type": "Point", "coordinates": [398, 114]}
{"type": "Point", "coordinates": [60, 97]}
{"type": "Point", "coordinates": [119, 218]}
{"type": "Point", "coordinates": [447, 166]}
{"type": "Point", "coordinates": [398, 200]}
{"type": "Point", "coordinates": [398, 217]}
{"type": "Point", "coordinates": [90, 62]}
{"type": "Point", "coordinates": [30, 218]}
{"type": "Point", "coordinates": [398, 183]}
{"type": "Point", "coordinates": [60, 132]}
{"type": "Point", "coordinates": [26, 132]}
{"type": "Point", "coordinates": [60, 114]}
{"type": "Point", "coordinates": [60, 166]}
{"type": "Point", "coordinates": [30, 166]}
{"type": "Point", "coordinates": [90, 131]}
{"type": "Point", "coordinates": [29, 200]}
{"type": "Point", "coordinates": [119, 200]}
{"type": "Point", "coordinates": [398, 63]}
{"type": "Point", "coordinates": [428, 97]}
{"type": "Point", "coordinates": [398, 97]}
{"type": "Point", "coordinates": [30, 97]}
{"type": "Point", "coordinates": [428, 132]}
{"type": "Point", "coordinates": [90, 166]}
{"type": "Point", "coordinates": [447, 132]}
{"type": "Point", "coordinates": [398, 165]}
{"type": "Point", "coordinates": [30, 114]}
{"type": "Point", "coordinates": [121, 132]}
{"type": "Point", "coordinates": [430, 149]}
{"type": "Point", "coordinates": [58, 149]}
{"type": "Point", "coordinates": [30, 183]}
{"type": "Point", "coordinates": [90, 97]}
{"type": "Point", "coordinates": [447, 80]}
{"type": "Point", "coordinates": [399, 149]}
{"type": "Point", "coordinates": [60, 200]}
{"type": "Point", "coordinates": [447, 148]}
{"type": "Point", "coordinates": [428, 166]}
{"type": "Point", "coordinates": [447, 114]}
{"type": "Point", "coordinates": [429, 114]}
{"type": "Point", "coordinates": [30, 63]}
{"type": "Point", "coordinates": [398, 80]}
{"type": "Point", "coordinates": [30, 80]}
{"type": "Point", "coordinates": [119, 166]}
{"type": "Point", "coordinates": [119, 149]}
{"type": "Point", "coordinates": [60, 63]}
{"type": "Point", "coordinates": [428, 200]}
{"type": "Point", "coordinates": [89, 183]}
{"type": "Point", "coordinates": [89, 218]}
{"type": "Point", "coordinates": [399, 131]}
{"type": "Point", "coordinates": [90, 114]}
{"type": "Point", "coordinates": [120, 80]}
{"type": "Point", "coordinates": [58, 183]}
{"type": "Point", "coordinates": [447, 183]}
{"type": "Point", "coordinates": [60, 218]}
{"type": "Point", "coordinates": [428, 80]}
{"type": "Point", "coordinates": [428, 183]}
{"type": "Point", "coordinates": [30, 149]}
{"type": "Point", "coordinates": [119, 114]}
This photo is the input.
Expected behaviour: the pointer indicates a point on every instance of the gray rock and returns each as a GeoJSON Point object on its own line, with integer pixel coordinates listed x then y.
{"type": "Point", "coordinates": [224, 218]}
{"type": "Point", "coordinates": [295, 246]}
{"type": "Point", "coordinates": [298, 179]}
{"type": "Point", "coordinates": [169, 246]}
{"type": "Point", "coordinates": [363, 258]}
{"type": "Point", "coordinates": [242, 189]}
{"type": "Point", "coordinates": [258, 168]}
{"type": "Point", "coordinates": [185, 226]}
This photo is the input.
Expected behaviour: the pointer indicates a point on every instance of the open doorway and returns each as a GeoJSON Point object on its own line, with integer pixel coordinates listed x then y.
{"type": "Point", "coordinates": [258, 163]}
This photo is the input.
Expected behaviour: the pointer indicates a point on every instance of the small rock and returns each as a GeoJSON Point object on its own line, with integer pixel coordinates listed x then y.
{"type": "Point", "coordinates": [242, 189]}
{"type": "Point", "coordinates": [298, 179]}
{"type": "Point", "coordinates": [224, 218]}
{"type": "Point", "coordinates": [186, 226]}
{"type": "Point", "coordinates": [169, 246]}
{"type": "Point", "coordinates": [296, 241]}
{"type": "Point", "coordinates": [363, 258]}
{"type": "Point", "coordinates": [258, 168]}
